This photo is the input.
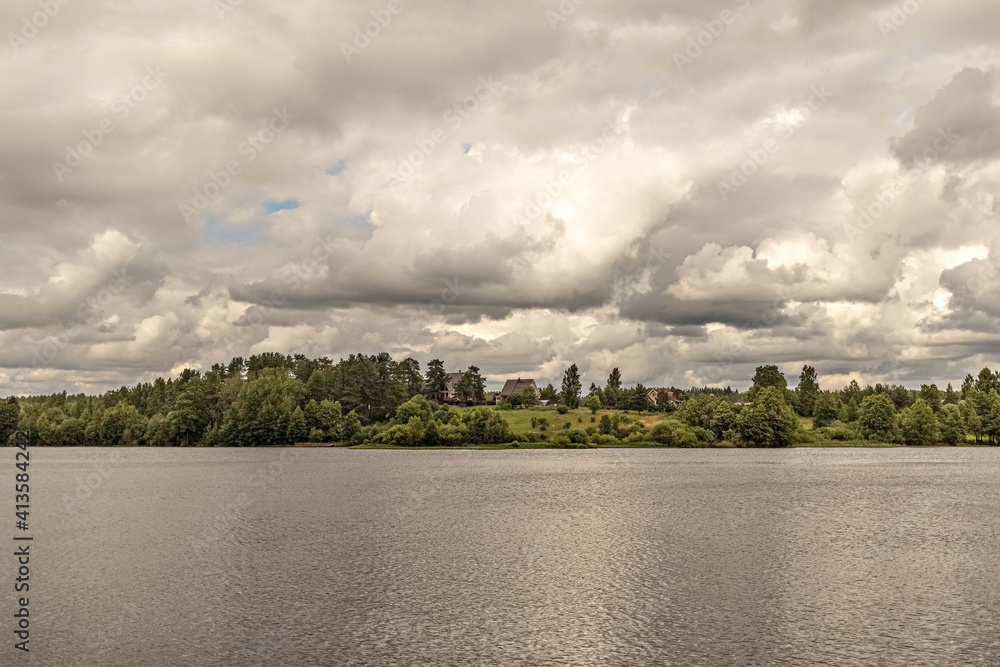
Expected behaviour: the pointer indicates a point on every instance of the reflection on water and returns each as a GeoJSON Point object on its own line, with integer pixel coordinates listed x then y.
{"type": "Point", "coordinates": [630, 557]}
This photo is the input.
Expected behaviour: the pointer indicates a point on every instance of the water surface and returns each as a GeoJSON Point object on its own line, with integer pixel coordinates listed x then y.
{"type": "Point", "coordinates": [599, 557]}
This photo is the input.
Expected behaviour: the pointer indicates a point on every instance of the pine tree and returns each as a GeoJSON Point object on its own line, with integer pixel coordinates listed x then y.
{"type": "Point", "coordinates": [571, 387]}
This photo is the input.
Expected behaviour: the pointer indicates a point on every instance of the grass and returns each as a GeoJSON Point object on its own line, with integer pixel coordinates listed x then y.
{"type": "Point", "coordinates": [520, 420]}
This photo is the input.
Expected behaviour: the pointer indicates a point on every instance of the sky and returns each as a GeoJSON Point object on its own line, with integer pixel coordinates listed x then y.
{"type": "Point", "coordinates": [682, 189]}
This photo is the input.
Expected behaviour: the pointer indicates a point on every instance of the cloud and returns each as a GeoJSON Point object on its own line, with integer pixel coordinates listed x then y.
{"type": "Point", "coordinates": [480, 184]}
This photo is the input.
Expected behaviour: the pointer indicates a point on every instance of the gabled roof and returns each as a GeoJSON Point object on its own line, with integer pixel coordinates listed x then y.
{"type": "Point", "coordinates": [516, 386]}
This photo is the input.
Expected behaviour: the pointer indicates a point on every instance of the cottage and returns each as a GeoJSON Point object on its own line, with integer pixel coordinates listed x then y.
{"type": "Point", "coordinates": [448, 395]}
{"type": "Point", "coordinates": [511, 387]}
{"type": "Point", "coordinates": [663, 397]}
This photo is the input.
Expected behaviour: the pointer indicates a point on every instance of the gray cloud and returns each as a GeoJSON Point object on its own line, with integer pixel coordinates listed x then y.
{"type": "Point", "coordinates": [571, 210]}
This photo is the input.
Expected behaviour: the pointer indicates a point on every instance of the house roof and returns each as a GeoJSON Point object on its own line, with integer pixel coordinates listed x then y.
{"type": "Point", "coordinates": [515, 386]}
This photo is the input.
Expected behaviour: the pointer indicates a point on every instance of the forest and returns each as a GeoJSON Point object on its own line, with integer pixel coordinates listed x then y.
{"type": "Point", "coordinates": [373, 400]}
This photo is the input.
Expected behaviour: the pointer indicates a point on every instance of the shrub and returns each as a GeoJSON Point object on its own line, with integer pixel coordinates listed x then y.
{"type": "Point", "coordinates": [839, 431]}
{"type": "Point", "coordinates": [703, 434]}
{"type": "Point", "coordinates": [670, 433]}
{"type": "Point", "coordinates": [562, 409]}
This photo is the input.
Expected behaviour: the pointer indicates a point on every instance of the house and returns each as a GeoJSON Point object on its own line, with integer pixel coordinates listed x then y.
{"type": "Point", "coordinates": [663, 397]}
{"type": "Point", "coordinates": [511, 387]}
{"type": "Point", "coordinates": [448, 395]}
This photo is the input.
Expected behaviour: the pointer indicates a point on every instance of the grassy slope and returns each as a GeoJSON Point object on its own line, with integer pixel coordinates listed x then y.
{"type": "Point", "coordinates": [520, 420]}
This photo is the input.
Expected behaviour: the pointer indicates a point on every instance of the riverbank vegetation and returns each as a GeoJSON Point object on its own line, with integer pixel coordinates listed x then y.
{"type": "Point", "coordinates": [375, 401]}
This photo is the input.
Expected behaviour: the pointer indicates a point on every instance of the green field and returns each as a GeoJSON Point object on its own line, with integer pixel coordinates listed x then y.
{"type": "Point", "coordinates": [520, 420]}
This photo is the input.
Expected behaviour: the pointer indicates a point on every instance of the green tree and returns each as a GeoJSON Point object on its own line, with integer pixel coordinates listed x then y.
{"type": "Point", "coordinates": [159, 432]}
{"type": "Point", "coordinates": [10, 417]}
{"type": "Point", "coordinates": [768, 421]}
{"type": "Point", "coordinates": [850, 411]}
{"type": "Point", "coordinates": [571, 387]}
{"type": "Point", "coordinates": [826, 410]}
{"type": "Point", "coordinates": [919, 425]}
{"type": "Point", "coordinates": [329, 419]}
{"type": "Point", "coordinates": [122, 426]}
{"type": "Point", "coordinates": [764, 377]}
{"type": "Point", "coordinates": [297, 429]}
{"type": "Point", "coordinates": [932, 396]}
{"type": "Point", "coordinates": [987, 381]}
{"type": "Point", "coordinates": [188, 419]}
{"type": "Point", "coordinates": [409, 375]}
{"type": "Point", "coordinates": [352, 430]}
{"type": "Point", "coordinates": [594, 404]}
{"type": "Point", "coordinates": [486, 426]}
{"type": "Point", "coordinates": [262, 412]}
{"type": "Point", "coordinates": [808, 391]}
{"type": "Point", "coordinates": [878, 418]}
{"type": "Point", "coordinates": [614, 379]}
{"type": "Point", "coordinates": [548, 393]}
{"type": "Point", "coordinates": [472, 387]}
{"type": "Point", "coordinates": [613, 389]}
{"type": "Point", "coordinates": [436, 380]}
{"type": "Point", "coordinates": [723, 419]}
{"type": "Point", "coordinates": [526, 397]}
{"type": "Point", "coordinates": [953, 429]}
{"type": "Point", "coordinates": [973, 422]}
{"type": "Point", "coordinates": [991, 421]}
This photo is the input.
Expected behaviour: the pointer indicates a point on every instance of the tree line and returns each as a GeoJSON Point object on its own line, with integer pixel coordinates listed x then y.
{"type": "Point", "coordinates": [273, 399]}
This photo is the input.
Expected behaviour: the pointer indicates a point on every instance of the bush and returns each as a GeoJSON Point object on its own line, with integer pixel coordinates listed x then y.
{"type": "Point", "coordinates": [839, 431]}
{"type": "Point", "coordinates": [562, 409]}
{"type": "Point", "coordinates": [703, 434]}
{"type": "Point", "coordinates": [672, 433]}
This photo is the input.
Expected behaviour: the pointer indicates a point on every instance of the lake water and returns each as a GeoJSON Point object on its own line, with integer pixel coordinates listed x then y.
{"type": "Point", "coordinates": [599, 557]}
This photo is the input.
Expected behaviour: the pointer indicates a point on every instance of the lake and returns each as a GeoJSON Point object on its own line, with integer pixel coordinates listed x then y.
{"type": "Point", "coordinates": [538, 557]}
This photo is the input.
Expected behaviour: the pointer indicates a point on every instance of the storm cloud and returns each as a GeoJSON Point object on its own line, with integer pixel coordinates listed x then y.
{"type": "Point", "coordinates": [685, 190]}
